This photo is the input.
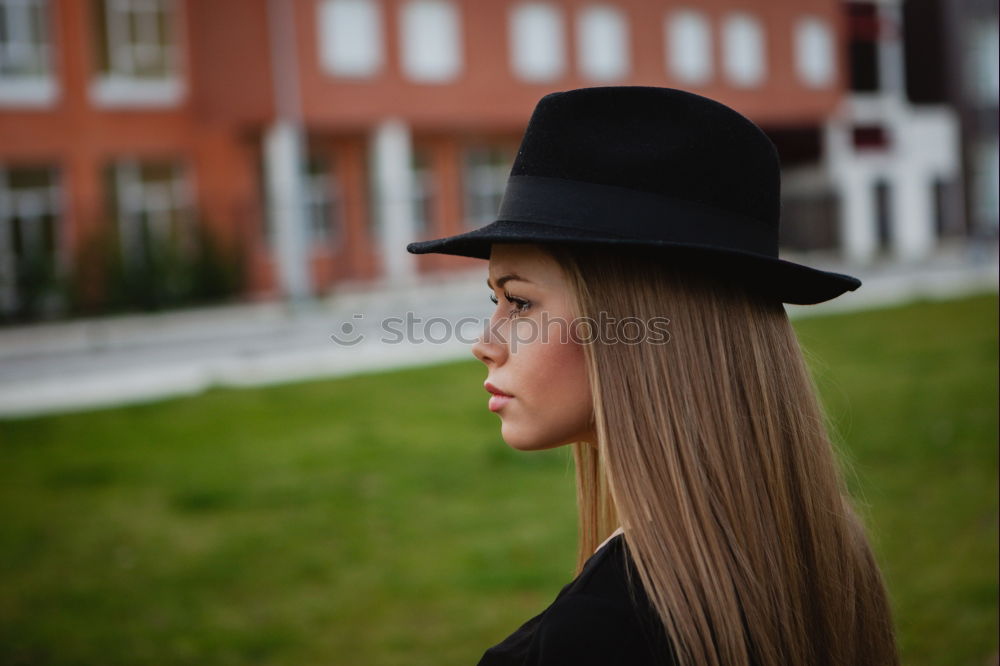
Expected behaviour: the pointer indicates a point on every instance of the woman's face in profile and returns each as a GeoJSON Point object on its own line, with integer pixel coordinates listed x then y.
{"type": "Point", "coordinates": [530, 354]}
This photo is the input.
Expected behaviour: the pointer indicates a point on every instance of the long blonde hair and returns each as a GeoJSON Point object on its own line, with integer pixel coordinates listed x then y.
{"type": "Point", "coordinates": [713, 453]}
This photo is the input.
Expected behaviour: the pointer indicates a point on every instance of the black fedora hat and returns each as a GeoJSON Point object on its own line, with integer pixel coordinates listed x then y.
{"type": "Point", "coordinates": [638, 166]}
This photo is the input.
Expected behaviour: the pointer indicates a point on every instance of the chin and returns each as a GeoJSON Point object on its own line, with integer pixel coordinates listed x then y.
{"type": "Point", "coordinates": [532, 446]}
{"type": "Point", "coordinates": [523, 441]}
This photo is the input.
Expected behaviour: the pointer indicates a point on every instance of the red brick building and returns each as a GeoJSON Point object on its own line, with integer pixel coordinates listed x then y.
{"type": "Point", "coordinates": [392, 120]}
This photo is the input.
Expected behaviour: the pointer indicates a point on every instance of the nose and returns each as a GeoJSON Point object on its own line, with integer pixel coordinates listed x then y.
{"type": "Point", "coordinates": [490, 348]}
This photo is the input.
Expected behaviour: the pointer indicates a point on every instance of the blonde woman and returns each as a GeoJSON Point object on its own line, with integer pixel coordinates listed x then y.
{"type": "Point", "coordinates": [639, 318]}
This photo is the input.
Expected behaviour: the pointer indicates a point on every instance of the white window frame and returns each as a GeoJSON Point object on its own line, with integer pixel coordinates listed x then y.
{"type": "Point", "coordinates": [122, 86]}
{"type": "Point", "coordinates": [815, 52]}
{"type": "Point", "coordinates": [34, 45]}
{"type": "Point", "coordinates": [322, 194]}
{"type": "Point", "coordinates": [349, 35]}
{"type": "Point", "coordinates": [536, 43]}
{"type": "Point", "coordinates": [482, 178]}
{"type": "Point", "coordinates": [603, 43]}
{"type": "Point", "coordinates": [688, 46]}
{"type": "Point", "coordinates": [431, 40]}
{"type": "Point", "coordinates": [981, 57]}
{"type": "Point", "coordinates": [744, 49]}
{"type": "Point", "coordinates": [141, 203]}
{"type": "Point", "coordinates": [423, 191]}
{"type": "Point", "coordinates": [986, 181]}
{"type": "Point", "coordinates": [31, 206]}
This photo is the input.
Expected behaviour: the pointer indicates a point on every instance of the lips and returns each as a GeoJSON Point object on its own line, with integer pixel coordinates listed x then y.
{"type": "Point", "coordinates": [495, 391]}
{"type": "Point", "coordinates": [498, 398]}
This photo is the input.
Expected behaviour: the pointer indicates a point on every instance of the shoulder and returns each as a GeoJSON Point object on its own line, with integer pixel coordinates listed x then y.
{"type": "Point", "coordinates": [585, 630]}
{"type": "Point", "coordinates": [601, 621]}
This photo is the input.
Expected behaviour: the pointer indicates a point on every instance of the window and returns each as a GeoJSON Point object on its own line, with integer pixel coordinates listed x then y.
{"type": "Point", "coordinates": [743, 50]}
{"type": "Point", "coordinates": [864, 32]}
{"type": "Point", "coordinates": [986, 184]}
{"type": "Point", "coordinates": [29, 248]}
{"type": "Point", "coordinates": [322, 200]}
{"type": "Point", "coordinates": [431, 41]}
{"type": "Point", "coordinates": [25, 53]}
{"type": "Point", "coordinates": [422, 192]}
{"type": "Point", "coordinates": [814, 52]}
{"type": "Point", "coordinates": [152, 204]}
{"type": "Point", "coordinates": [135, 38]}
{"type": "Point", "coordinates": [947, 197]}
{"type": "Point", "coordinates": [602, 43]}
{"type": "Point", "coordinates": [982, 58]}
{"type": "Point", "coordinates": [870, 138]}
{"type": "Point", "coordinates": [484, 179]}
{"type": "Point", "coordinates": [689, 46]}
{"type": "Point", "coordinates": [536, 42]}
{"type": "Point", "coordinates": [350, 37]}
{"type": "Point", "coordinates": [810, 219]}
{"type": "Point", "coordinates": [882, 200]}
{"type": "Point", "coordinates": [136, 52]}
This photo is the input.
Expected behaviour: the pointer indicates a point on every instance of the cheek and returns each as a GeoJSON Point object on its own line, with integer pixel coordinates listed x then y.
{"type": "Point", "coordinates": [570, 368]}
{"type": "Point", "coordinates": [563, 386]}
{"type": "Point", "coordinates": [575, 385]}
{"type": "Point", "coordinates": [554, 405]}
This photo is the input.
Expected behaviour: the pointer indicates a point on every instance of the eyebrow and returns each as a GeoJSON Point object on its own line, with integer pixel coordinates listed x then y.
{"type": "Point", "coordinates": [504, 279]}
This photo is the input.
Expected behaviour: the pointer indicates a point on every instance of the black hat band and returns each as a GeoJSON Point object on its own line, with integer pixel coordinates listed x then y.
{"type": "Point", "coordinates": [632, 214]}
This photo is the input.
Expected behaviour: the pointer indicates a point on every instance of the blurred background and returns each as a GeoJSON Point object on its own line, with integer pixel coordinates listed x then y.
{"type": "Point", "coordinates": [196, 195]}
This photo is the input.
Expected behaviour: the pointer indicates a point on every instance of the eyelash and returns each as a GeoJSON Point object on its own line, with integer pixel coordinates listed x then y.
{"type": "Point", "coordinates": [520, 305]}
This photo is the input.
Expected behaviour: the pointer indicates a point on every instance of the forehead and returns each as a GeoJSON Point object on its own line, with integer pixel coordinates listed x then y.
{"type": "Point", "coordinates": [505, 256]}
{"type": "Point", "coordinates": [525, 260]}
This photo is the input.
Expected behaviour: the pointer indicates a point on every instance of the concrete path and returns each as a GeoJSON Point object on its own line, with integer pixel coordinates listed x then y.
{"type": "Point", "coordinates": [95, 363]}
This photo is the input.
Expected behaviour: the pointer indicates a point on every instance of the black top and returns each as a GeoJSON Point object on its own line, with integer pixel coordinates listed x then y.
{"type": "Point", "coordinates": [602, 617]}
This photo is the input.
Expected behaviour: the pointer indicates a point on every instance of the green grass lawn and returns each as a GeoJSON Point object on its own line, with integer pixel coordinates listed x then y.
{"type": "Point", "coordinates": [381, 519]}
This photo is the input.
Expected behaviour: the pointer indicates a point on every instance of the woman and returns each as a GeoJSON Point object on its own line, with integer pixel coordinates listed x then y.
{"type": "Point", "coordinates": [639, 318]}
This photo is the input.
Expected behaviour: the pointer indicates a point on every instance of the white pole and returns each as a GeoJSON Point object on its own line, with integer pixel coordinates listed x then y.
{"type": "Point", "coordinates": [857, 225]}
{"type": "Point", "coordinates": [912, 207]}
{"type": "Point", "coordinates": [392, 155]}
{"type": "Point", "coordinates": [284, 158]}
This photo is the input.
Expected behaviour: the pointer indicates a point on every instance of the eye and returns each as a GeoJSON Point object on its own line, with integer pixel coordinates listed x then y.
{"type": "Point", "coordinates": [520, 305]}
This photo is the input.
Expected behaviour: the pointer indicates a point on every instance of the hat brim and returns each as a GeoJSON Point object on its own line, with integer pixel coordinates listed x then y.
{"type": "Point", "coordinates": [786, 280]}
